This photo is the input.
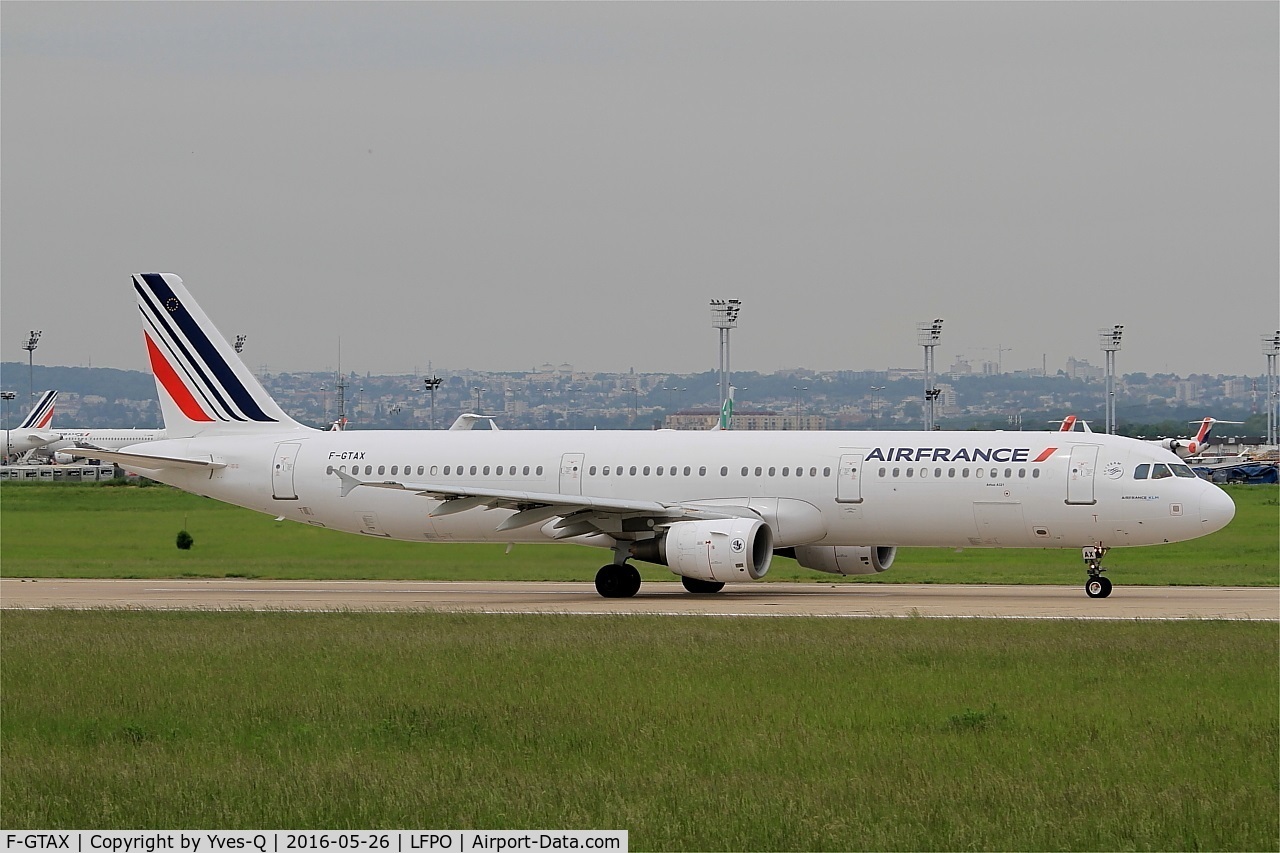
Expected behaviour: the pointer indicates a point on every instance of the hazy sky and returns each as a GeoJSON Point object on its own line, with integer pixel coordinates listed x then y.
{"type": "Point", "coordinates": [501, 185]}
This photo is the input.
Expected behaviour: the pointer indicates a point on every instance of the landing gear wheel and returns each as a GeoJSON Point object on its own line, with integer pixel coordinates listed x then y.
{"type": "Point", "coordinates": [614, 581]}
{"type": "Point", "coordinates": [1098, 587]}
{"type": "Point", "coordinates": [700, 586]}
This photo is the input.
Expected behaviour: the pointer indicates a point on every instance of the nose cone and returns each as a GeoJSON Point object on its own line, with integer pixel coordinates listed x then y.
{"type": "Point", "coordinates": [1216, 509]}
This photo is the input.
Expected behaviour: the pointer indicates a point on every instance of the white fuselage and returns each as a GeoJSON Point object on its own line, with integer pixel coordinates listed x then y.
{"type": "Point", "coordinates": [955, 489]}
{"type": "Point", "coordinates": [104, 439]}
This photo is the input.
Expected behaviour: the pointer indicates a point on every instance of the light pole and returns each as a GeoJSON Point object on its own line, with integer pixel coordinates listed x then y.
{"type": "Point", "coordinates": [431, 385]}
{"type": "Point", "coordinates": [673, 395]}
{"type": "Point", "coordinates": [724, 316]}
{"type": "Point", "coordinates": [1271, 348]}
{"type": "Point", "coordinates": [928, 334]}
{"type": "Point", "coordinates": [875, 400]}
{"type": "Point", "coordinates": [30, 346]}
{"type": "Point", "coordinates": [1109, 340]}
{"type": "Point", "coordinates": [478, 392]}
{"type": "Point", "coordinates": [799, 395]}
{"type": "Point", "coordinates": [635, 403]}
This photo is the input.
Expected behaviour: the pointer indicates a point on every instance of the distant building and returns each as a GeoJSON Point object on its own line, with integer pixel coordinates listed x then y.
{"type": "Point", "coordinates": [750, 420]}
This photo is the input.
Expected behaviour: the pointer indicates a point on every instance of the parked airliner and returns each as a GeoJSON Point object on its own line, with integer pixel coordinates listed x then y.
{"type": "Point", "coordinates": [74, 440]}
{"type": "Point", "coordinates": [714, 506]}
{"type": "Point", "coordinates": [34, 431]}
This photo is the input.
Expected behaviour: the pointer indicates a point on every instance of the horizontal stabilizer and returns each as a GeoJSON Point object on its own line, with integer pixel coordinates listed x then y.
{"type": "Point", "coordinates": [150, 462]}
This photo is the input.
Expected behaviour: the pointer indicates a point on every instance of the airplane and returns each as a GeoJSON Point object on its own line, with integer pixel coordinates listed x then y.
{"type": "Point", "coordinates": [1188, 447]}
{"type": "Point", "coordinates": [34, 430]}
{"type": "Point", "coordinates": [1068, 424]}
{"type": "Point", "coordinates": [74, 440]}
{"type": "Point", "coordinates": [712, 506]}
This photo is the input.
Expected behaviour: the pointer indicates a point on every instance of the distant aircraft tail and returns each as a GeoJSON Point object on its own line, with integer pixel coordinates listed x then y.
{"type": "Point", "coordinates": [42, 415]}
{"type": "Point", "coordinates": [203, 385]}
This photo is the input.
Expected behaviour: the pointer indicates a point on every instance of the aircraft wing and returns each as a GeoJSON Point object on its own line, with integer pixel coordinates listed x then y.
{"type": "Point", "coordinates": [579, 514]}
{"type": "Point", "coordinates": [150, 462]}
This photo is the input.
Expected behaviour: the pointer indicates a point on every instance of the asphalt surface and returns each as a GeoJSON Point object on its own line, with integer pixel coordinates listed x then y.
{"type": "Point", "coordinates": [764, 599]}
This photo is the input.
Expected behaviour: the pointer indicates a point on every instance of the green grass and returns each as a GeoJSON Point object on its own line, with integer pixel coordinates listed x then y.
{"type": "Point", "coordinates": [796, 734]}
{"type": "Point", "coordinates": [53, 530]}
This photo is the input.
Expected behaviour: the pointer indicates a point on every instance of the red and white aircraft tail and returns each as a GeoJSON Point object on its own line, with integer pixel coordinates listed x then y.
{"type": "Point", "coordinates": [204, 387]}
{"type": "Point", "coordinates": [42, 414]}
{"type": "Point", "coordinates": [1186, 447]}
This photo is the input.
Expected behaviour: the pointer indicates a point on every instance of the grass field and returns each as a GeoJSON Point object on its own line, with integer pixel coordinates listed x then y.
{"type": "Point", "coordinates": [50, 530]}
{"type": "Point", "coordinates": [796, 734]}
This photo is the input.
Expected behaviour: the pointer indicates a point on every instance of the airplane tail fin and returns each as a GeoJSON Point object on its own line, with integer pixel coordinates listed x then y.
{"type": "Point", "coordinates": [203, 385]}
{"type": "Point", "coordinates": [42, 415]}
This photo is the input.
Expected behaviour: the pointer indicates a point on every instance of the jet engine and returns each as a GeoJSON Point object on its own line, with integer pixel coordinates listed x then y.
{"type": "Point", "coordinates": [1184, 447]}
{"type": "Point", "coordinates": [843, 559]}
{"type": "Point", "coordinates": [737, 549]}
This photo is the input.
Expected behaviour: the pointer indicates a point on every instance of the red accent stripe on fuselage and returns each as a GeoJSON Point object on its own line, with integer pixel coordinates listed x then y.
{"type": "Point", "coordinates": [1048, 451]}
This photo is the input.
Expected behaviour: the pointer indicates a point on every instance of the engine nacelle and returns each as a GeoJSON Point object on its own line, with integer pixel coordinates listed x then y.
{"type": "Point", "coordinates": [844, 559]}
{"type": "Point", "coordinates": [736, 549]}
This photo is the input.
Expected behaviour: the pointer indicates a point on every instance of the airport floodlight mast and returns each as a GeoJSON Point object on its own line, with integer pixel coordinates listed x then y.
{"type": "Point", "coordinates": [1109, 340]}
{"type": "Point", "coordinates": [724, 316]}
{"type": "Point", "coordinates": [7, 396]}
{"type": "Point", "coordinates": [33, 341]}
{"type": "Point", "coordinates": [1271, 348]}
{"type": "Point", "coordinates": [478, 392]}
{"type": "Point", "coordinates": [875, 399]}
{"type": "Point", "coordinates": [431, 385]}
{"type": "Point", "coordinates": [928, 334]}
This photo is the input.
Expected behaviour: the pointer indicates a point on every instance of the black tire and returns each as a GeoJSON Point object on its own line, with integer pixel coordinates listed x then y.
{"type": "Point", "coordinates": [1097, 587]}
{"type": "Point", "coordinates": [701, 587]}
{"type": "Point", "coordinates": [1106, 587]}
{"type": "Point", "coordinates": [614, 581]}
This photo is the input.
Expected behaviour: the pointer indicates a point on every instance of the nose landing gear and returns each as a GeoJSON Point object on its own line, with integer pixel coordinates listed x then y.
{"type": "Point", "coordinates": [1096, 586]}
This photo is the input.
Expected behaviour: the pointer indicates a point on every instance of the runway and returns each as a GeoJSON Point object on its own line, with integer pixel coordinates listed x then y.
{"type": "Point", "coordinates": [764, 599]}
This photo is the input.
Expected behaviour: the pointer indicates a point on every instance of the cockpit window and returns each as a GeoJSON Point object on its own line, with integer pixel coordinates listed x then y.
{"type": "Point", "coordinates": [1160, 470]}
{"type": "Point", "coordinates": [1140, 473]}
{"type": "Point", "coordinates": [1183, 470]}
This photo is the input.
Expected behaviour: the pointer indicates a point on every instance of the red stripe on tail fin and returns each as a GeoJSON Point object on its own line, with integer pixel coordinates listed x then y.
{"type": "Point", "coordinates": [173, 383]}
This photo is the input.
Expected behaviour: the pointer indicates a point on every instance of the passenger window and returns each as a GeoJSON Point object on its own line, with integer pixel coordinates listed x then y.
{"type": "Point", "coordinates": [813, 472]}
{"type": "Point", "coordinates": [382, 470]}
{"type": "Point", "coordinates": [937, 472]}
{"type": "Point", "coordinates": [724, 472]}
{"type": "Point", "coordinates": [744, 470]}
{"type": "Point", "coordinates": [473, 470]}
{"type": "Point", "coordinates": [1160, 470]}
{"type": "Point", "coordinates": [786, 472]}
{"type": "Point", "coordinates": [964, 472]}
{"type": "Point", "coordinates": [759, 470]}
{"type": "Point", "coordinates": [646, 470]}
{"type": "Point", "coordinates": [395, 469]}
{"type": "Point", "coordinates": [592, 470]}
{"type": "Point", "coordinates": [433, 470]}
{"type": "Point", "coordinates": [1035, 474]}
{"type": "Point", "coordinates": [329, 470]}
{"type": "Point", "coordinates": [1008, 472]}
{"type": "Point", "coordinates": [633, 470]}
{"type": "Point", "coordinates": [896, 472]}
{"type": "Point", "coordinates": [687, 470]}
{"type": "Point", "coordinates": [659, 471]}
{"type": "Point", "coordinates": [951, 472]}
{"type": "Point", "coordinates": [446, 470]}
{"type": "Point", "coordinates": [826, 472]}
{"type": "Point", "coordinates": [911, 472]}
{"type": "Point", "coordinates": [486, 470]}
{"type": "Point", "coordinates": [1022, 473]}
{"type": "Point", "coordinates": [702, 472]}
{"type": "Point", "coordinates": [606, 470]}
{"type": "Point", "coordinates": [773, 471]}
{"type": "Point", "coordinates": [539, 470]}
{"type": "Point", "coordinates": [526, 471]}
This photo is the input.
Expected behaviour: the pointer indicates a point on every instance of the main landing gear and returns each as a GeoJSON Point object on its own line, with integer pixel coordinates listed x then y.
{"type": "Point", "coordinates": [1096, 586]}
{"type": "Point", "coordinates": [618, 580]}
{"type": "Point", "coordinates": [701, 587]}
